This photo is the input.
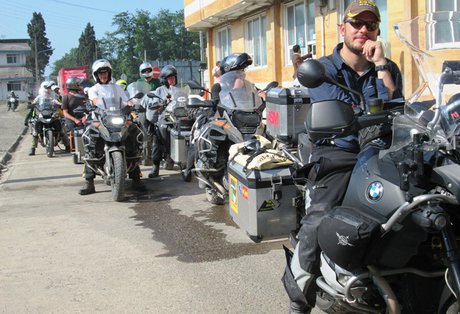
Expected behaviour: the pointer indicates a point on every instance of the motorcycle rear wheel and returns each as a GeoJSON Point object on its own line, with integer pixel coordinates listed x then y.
{"type": "Point", "coordinates": [213, 198]}
{"type": "Point", "coordinates": [118, 176]}
{"type": "Point", "coordinates": [50, 143]}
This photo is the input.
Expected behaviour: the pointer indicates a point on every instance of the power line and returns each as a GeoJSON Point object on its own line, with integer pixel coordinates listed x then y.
{"type": "Point", "coordinates": [84, 6]}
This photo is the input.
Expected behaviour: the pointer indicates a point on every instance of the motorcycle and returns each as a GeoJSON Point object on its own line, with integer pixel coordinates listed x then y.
{"type": "Point", "coordinates": [238, 118]}
{"type": "Point", "coordinates": [111, 133]}
{"type": "Point", "coordinates": [392, 245]}
{"type": "Point", "coordinates": [47, 124]}
{"type": "Point", "coordinates": [76, 133]}
{"type": "Point", "coordinates": [175, 122]}
{"type": "Point", "coordinates": [13, 103]}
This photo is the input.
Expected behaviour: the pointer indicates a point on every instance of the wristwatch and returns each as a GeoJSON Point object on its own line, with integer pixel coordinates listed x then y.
{"type": "Point", "coordinates": [382, 67]}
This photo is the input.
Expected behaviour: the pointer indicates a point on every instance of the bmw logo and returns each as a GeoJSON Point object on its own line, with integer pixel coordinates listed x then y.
{"type": "Point", "coordinates": [375, 191]}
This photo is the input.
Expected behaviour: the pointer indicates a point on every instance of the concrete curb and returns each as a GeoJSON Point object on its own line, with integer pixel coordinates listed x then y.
{"type": "Point", "coordinates": [8, 155]}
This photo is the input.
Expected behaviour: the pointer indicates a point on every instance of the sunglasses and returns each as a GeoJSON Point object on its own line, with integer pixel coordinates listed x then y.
{"type": "Point", "coordinates": [148, 70]}
{"type": "Point", "coordinates": [357, 24]}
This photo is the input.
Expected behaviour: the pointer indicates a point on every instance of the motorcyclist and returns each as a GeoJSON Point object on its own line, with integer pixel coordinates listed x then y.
{"type": "Point", "coordinates": [150, 117]}
{"type": "Point", "coordinates": [13, 95]}
{"type": "Point", "coordinates": [146, 74]}
{"type": "Point", "coordinates": [46, 93]}
{"type": "Point", "coordinates": [71, 101]}
{"type": "Point", "coordinates": [104, 89]}
{"type": "Point", "coordinates": [360, 64]}
{"type": "Point", "coordinates": [161, 138]}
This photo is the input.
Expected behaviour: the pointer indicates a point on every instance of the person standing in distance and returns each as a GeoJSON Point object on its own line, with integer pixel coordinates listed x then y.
{"type": "Point", "coordinates": [296, 60]}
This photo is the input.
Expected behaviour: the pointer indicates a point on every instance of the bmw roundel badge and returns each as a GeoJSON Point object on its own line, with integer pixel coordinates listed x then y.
{"type": "Point", "coordinates": [375, 191]}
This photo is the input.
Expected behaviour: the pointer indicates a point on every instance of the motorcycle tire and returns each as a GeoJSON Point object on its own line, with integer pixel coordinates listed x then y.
{"type": "Point", "coordinates": [50, 143]}
{"type": "Point", "coordinates": [118, 176]}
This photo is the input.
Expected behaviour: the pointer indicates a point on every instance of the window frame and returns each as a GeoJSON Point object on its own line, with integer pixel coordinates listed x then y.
{"type": "Point", "coordinates": [10, 56]}
{"type": "Point", "coordinates": [250, 45]}
{"type": "Point", "coordinates": [11, 84]}
{"type": "Point", "coordinates": [309, 43]}
{"type": "Point", "coordinates": [222, 52]}
{"type": "Point", "coordinates": [431, 33]}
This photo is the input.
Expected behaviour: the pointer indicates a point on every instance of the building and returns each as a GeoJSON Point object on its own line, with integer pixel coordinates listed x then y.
{"type": "Point", "coordinates": [13, 73]}
{"type": "Point", "coordinates": [268, 29]}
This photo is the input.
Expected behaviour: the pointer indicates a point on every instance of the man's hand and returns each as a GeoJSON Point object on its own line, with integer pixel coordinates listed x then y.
{"type": "Point", "coordinates": [373, 51]}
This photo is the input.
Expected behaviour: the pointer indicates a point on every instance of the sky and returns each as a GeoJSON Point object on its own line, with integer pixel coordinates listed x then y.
{"type": "Point", "coordinates": [65, 19]}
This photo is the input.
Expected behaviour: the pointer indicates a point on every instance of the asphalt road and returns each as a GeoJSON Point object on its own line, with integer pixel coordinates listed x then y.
{"type": "Point", "coordinates": [164, 251]}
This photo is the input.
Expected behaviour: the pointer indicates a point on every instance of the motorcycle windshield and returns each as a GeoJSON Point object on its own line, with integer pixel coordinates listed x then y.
{"type": "Point", "coordinates": [431, 109]}
{"type": "Point", "coordinates": [46, 106]}
{"type": "Point", "coordinates": [179, 97]}
{"type": "Point", "coordinates": [137, 88]}
{"type": "Point", "coordinates": [237, 93]}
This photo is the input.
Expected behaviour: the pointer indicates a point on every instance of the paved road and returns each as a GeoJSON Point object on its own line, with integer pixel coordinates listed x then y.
{"type": "Point", "coordinates": [165, 251]}
{"type": "Point", "coordinates": [11, 128]}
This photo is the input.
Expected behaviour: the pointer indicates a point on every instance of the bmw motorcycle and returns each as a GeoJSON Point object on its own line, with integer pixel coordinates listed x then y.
{"type": "Point", "coordinates": [392, 245]}
{"type": "Point", "coordinates": [13, 103]}
{"type": "Point", "coordinates": [47, 124]}
{"type": "Point", "coordinates": [238, 118]}
{"type": "Point", "coordinates": [111, 133]}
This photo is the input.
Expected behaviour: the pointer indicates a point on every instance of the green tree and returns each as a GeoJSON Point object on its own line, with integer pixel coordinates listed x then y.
{"type": "Point", "coordinates": [86, 52]}
{"type": "Point", "coordinates": [40, 46]}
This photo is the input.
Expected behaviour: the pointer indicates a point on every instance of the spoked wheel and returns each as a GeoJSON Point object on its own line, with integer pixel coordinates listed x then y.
{"type": "Point", "coordinates": [118, 176]}
{"type": "Point", "coordinates": [50, 143]}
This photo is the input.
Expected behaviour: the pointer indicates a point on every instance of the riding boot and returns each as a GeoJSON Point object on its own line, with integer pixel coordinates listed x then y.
{"type": "Point", "coordinates": [155, 170]}
{"type": "Point", "coordinates": [88, 188]}
{"type": "Point", "coordinates": [137, 184]}
{"type": "Point", "coordinates": [169, 163]}
{"type": "Point", "coordinates": [32, 151]}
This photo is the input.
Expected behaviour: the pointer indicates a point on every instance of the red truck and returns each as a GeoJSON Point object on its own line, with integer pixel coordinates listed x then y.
{"type": "Point", "coordinates": [65, 73]}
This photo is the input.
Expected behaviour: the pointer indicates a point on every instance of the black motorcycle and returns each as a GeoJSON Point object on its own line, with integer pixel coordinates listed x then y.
{"type": "Point", "coordinates": [13, 103]}
{"type": "Point", "coordinates": [238, 118]}
{"type": "Point", "coordinates": [113, 132]}
{"type": "Point", "coordinates": [392, 245]}
{"type": "Point", "coordinates": [47, 124]}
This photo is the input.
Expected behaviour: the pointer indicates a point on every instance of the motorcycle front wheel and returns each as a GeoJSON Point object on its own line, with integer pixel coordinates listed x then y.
{"type": "Point", "coordinates": [118, 176]}
{"type": "Point", "coordinates": [50, 143]}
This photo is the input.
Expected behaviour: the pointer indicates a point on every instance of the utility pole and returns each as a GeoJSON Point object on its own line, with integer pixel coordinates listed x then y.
{"type": "Point", "coordinates": [36, 61]}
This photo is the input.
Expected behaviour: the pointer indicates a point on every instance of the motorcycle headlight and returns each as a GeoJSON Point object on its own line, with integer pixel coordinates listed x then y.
{"type": "Point", "coordinates": [116, 121]}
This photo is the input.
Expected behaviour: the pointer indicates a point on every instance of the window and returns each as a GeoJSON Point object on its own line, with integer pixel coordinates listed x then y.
{"type": "Point", "coordinates": [223, 43]}
{"type": "Point", "coordinates": [300, 27]}
{"type": "Point", "coordinates": [256, 40]}
{"type": "Point", "coordinates": [12, 58]}
{"type": "Point", "coordinates": [13, 86]}
{"type": "Point", "coordinates": [445, 33]}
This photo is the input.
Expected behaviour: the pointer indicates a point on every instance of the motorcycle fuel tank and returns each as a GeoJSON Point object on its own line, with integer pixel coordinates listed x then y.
{"type": "Point", "coordinates": [374, 185]}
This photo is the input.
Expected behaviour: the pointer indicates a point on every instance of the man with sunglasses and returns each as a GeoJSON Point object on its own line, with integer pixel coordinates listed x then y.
{"type": "Point", "coordinates": [359, 63]}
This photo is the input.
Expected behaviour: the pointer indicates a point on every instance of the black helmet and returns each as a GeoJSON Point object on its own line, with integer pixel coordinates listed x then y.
{"type": "Point", "coordinates": [166, 72]}
{"type": "Point", "coordinates": [73, 83]}
{"type": "Point", "coordinates": [235, 61]}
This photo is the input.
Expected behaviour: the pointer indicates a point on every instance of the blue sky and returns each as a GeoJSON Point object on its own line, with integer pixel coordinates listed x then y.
{"type": "Point", "coordinates": [65, 19]}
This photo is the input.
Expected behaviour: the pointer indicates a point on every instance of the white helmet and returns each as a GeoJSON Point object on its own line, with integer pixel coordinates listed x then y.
{"type": "Point", "coordinates": [145, 69]}
{"type": "Point", "coordinates": [101, 65]}
{"type": "Point", "coordinates": [46, 84]}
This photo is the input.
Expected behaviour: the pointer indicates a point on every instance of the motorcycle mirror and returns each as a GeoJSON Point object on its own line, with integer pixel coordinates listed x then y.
{"type": "Point", "coordinates": [312, 73]}
{"type": "Point", "coordinates": [270, 86]}
{"type": "Point", "coordinates": [152, 95]}
{"type": "Point", "coordinates": [194, 85]}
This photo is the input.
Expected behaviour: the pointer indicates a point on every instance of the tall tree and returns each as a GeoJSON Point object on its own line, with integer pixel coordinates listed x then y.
{"type": "Point", "coordinates": [40, 46]}
{"type": "Point", "coordinates": [87, 46]}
